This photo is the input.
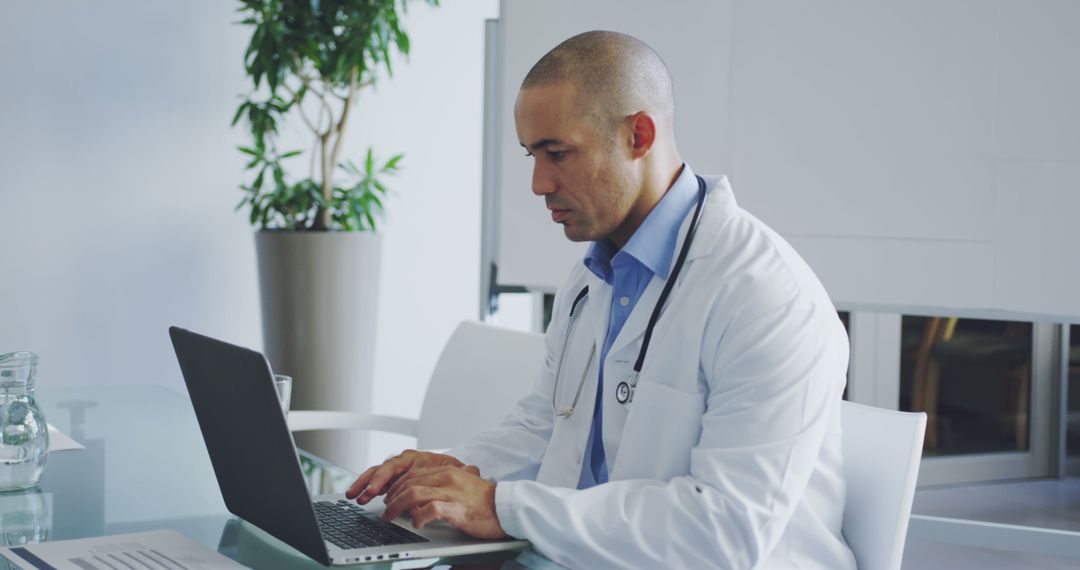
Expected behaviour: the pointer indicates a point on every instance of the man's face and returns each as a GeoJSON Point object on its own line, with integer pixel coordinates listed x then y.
{"type": "Point", "coordinates": [582, 172]}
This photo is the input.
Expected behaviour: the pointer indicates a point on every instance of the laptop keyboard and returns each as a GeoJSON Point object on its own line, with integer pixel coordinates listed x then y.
{"type": "Point", "coordinates": [347, 525]}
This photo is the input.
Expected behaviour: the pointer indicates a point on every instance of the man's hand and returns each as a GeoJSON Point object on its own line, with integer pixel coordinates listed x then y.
{"type": "Point", "coordinates": [375, 480]}
{"type": "Point", "coordinates": [452, 494]}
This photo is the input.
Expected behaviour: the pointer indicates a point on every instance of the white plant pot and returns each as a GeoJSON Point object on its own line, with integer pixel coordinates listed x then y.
{"type": "Point", "coordinates": [319, 293]}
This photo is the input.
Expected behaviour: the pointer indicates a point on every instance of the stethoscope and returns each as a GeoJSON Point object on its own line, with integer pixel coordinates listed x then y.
{"type": "Point", "coordinates": [624, 391]}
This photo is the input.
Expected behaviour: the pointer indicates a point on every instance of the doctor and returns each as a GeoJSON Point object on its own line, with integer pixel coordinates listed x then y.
{"type": "Point", "coordinates": [688, 411]}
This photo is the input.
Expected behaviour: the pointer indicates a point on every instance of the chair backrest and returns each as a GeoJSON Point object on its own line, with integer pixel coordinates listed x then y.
{"type": "Point", "coordinates": [882, 449]}
{"type": "Point", "coordinates": [481, 374]}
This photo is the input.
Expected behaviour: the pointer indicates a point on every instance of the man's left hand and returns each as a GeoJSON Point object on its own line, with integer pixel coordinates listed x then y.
{"type": "Point", "coordinates": [456, 495]}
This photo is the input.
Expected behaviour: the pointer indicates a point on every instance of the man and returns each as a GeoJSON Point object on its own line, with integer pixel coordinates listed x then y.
{"type": "Point", "coordinates": [688, 414]}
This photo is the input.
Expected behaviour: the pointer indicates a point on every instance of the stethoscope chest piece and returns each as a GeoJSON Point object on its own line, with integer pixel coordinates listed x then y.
{"type": "Point", "coordinates": [624, 393]}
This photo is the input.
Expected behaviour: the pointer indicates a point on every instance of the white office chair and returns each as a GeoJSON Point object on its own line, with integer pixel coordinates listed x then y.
{"type": "Point", "coordinates": [482, 372]}
{"type": "Point", "coordinates": [882, 450]}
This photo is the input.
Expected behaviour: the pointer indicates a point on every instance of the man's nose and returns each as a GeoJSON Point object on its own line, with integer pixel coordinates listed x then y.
{"type": "Point", "coordinates": [542, 182]}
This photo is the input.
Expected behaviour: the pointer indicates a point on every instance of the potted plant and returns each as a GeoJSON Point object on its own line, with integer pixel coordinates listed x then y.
{"type": "Point", "coordinates": [317, 248]}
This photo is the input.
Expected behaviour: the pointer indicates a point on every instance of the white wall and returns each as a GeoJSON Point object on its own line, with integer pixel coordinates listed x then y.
{"type": "Point", "coordinates": [918, 153]}
{"type": "Point", "coordinates": [433, 111]}
{"type": "Point", "coordinates": [118, 178]}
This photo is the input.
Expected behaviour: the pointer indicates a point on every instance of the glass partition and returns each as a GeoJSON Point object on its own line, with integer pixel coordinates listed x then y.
{"type": "Point", "coordinates": [972, 377]}
{"type": "Point", "coordinates": [1072, 439]}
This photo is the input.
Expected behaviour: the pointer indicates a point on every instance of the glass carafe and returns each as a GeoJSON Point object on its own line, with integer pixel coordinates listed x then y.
{"type": "Point", "coordinates": [25, 518]}
{"type": "Point", "coordinates": [24, 436]}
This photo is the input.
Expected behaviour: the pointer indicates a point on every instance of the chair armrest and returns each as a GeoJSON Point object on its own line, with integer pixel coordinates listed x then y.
{"type": "Point", "coordinates": [309, 420]}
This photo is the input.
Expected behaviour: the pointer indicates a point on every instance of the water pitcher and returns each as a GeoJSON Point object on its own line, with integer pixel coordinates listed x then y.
{"type": "Point", "coordinates": [24, 436]}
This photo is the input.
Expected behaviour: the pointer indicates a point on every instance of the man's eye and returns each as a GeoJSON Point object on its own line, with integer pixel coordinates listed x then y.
{"type": "Point", "coordinates": [556, 155]}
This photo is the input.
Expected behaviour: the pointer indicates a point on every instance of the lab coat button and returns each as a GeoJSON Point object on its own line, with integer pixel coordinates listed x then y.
{"type": "Point", "coordinates": [624, 301]}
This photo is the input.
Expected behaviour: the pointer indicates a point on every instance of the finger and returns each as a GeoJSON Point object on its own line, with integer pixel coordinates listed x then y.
{"type": "Point", "coordinates": [412, 474]}
{"type": "Point", "coordinates": [414, 496]}
{"type": "Point", "coordinates": [360, 482]}
{"type": "Point", "coordinates": [431, 477]}
{"type": "Point", "coordinates": [384, 475]}
{"type": "Point", "coordinates": [472, 469]}
{"type": "Point", "coordinates": [435, 511]}
{"type": "Point", "coordinates": [444, 476]}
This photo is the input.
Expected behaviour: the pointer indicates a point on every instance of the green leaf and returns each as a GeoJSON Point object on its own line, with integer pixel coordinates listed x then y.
{"type": "Point", "coordinates": [350, 167]}
{"type": "Point", "coordinates": [240, 112]}
{"type": "Point", "coordinates": [392, 164]}
{"type": "Point", "coordinates": [385, 49]}
{"type": "Point", "coordinates": [326, 41]}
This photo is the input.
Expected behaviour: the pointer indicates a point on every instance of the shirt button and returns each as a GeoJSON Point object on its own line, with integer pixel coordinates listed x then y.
{"type": "Point", "coordinates": [624, 301]}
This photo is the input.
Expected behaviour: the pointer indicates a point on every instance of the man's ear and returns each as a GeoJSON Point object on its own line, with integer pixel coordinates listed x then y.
{"type": "Point", "coordinates": [644, 133]}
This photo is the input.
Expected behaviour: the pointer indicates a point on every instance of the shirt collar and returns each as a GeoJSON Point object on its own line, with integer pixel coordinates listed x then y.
{"type": "Point", "coordinates": [653, 243]}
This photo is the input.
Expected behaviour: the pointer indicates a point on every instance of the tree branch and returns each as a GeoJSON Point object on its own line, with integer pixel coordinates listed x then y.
{"type": "Point", "coordinates": [300, 105]}
{"type": "Point", "coordinates": [322, 214]}
{"type": "Point", "coordinates": [339, 95]}
{"type": "Point", "coordinates": [359, 87]}
{"type": "Point", "coordinates": [325, 107]}
{"type": "Point", "coordinates": [330, 162]}
{"type": "Point", "coordinates": [353, 88]}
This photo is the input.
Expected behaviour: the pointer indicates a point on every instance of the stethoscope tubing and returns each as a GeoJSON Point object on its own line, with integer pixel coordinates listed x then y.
{"type": "Point", "coordinates": [624, 391]}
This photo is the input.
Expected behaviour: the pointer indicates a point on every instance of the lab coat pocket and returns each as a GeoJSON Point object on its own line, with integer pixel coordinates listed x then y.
{"type": "Point", "coordinates": [663, 425]}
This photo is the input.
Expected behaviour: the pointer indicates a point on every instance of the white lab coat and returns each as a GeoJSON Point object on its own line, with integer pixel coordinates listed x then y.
{"type": "Point", "coordinates": [729, 454]}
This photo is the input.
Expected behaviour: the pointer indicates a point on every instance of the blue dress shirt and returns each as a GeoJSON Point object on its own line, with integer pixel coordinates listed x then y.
{"type": "Point", "coordinates": [649, 252]}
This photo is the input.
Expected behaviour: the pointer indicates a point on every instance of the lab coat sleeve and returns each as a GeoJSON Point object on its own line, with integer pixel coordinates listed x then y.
{"type": "Point", "coordinates": [774, 380]}
{"type": "Point", "coordinates": [514, 449]}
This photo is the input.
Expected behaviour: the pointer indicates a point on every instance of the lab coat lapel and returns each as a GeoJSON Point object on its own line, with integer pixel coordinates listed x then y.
{"type": "Point", "coordinates": [719, 203]}
{"type": "Point", "coordinates": [634, 328]}
{"type": "Point", "coordinates": [600, 310]}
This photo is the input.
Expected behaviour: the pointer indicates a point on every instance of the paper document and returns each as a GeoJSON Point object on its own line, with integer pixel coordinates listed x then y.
{"type": "Point", "coordinates": [59, 441]}
{"type": "Point", "coordinates": [154, 550]}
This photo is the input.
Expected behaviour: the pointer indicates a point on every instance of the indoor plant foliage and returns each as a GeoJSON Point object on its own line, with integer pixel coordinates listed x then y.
{"type": "Point", "coordinates": [310, 59]}
{"type": "Point", "coordinates": [319, 273]}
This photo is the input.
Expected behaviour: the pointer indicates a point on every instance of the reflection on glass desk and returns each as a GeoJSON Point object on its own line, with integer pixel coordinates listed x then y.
{"type": "Point", "coordinates": [145, 467]}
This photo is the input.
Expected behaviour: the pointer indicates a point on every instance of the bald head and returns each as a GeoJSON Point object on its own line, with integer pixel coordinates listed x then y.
{"type": "Point", "coordinates": [616, 76]}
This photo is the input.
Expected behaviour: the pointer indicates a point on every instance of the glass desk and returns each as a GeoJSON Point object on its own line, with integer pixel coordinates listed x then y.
{"type": "Point", "coordinates": [145, 467]}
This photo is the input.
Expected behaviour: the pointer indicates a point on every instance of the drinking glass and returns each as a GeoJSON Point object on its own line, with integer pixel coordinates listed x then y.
{"type": "Point", "coordinates": [283, 384]}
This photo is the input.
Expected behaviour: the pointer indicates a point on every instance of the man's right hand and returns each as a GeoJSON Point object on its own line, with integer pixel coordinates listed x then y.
{"type": "Point", "coordinates": [376, 480]}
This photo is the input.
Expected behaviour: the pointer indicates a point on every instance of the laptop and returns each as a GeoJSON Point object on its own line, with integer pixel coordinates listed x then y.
{"type": "Point", "coordinates": [258, 469]}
